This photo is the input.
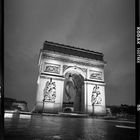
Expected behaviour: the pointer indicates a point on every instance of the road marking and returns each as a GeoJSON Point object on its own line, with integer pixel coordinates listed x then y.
{"type": "Point", "coordinates": [127, 127]}
{"type": "Point", "coordinates": [115, 121]}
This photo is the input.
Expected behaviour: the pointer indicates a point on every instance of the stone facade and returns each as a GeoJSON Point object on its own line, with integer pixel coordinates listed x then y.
{"type": "Point", "coordinates": [56, 63]}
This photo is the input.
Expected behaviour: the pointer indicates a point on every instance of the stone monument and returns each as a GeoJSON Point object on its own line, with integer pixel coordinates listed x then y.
{"type": "Point", "coordinates": [70, 79]}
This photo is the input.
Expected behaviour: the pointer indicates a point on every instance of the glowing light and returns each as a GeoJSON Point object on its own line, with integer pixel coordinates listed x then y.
{"type": "Point", "coordinates": [127, 127]}
{"type": "Point", "coordinates": [8, 115]}
{"type": "Point", "coordinates": [25, 116]}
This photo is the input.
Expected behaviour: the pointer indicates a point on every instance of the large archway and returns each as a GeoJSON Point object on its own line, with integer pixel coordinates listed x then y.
{"type": "Point", "coordinates": [70, 79]}
{"type": "Point", "coordinates": [73, 96]}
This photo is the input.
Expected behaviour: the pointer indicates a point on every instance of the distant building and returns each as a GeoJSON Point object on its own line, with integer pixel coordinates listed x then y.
{"type": "Point", "coordinates": [13, 104]}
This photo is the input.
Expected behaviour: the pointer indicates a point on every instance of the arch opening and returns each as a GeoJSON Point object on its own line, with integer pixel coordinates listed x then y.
{"type": "Point", "coordinates": [73, 97]}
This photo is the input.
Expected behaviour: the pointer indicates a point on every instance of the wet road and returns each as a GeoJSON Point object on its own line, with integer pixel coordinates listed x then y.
{"type": "Point", "coordinates": [65, 128]}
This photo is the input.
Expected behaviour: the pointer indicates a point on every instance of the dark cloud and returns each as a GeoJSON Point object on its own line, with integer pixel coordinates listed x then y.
{"type": "Point", "coordinates": [104, 26]}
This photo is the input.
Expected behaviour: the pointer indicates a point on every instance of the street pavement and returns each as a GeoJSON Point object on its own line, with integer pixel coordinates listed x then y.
{"type": "Point", "coordinates": [37, 127]}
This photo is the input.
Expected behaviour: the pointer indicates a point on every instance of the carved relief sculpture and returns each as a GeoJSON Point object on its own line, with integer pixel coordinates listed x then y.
{"type": "Point", "coordinates": [67, 87]}
{"type": "Point", "coordinates": [50, 91]}
{"type": "Point", "coordinates": [95, 98]}
{"type": "Point", "coordinates": [51, 68]}
{"type": "Point", "coordinates": [65, 67]}
{"type": "Point", "coordinates": [97, 75]}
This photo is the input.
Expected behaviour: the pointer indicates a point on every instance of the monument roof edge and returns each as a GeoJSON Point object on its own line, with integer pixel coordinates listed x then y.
{"type": "Point", "coordinates": [72, 57]}
{"type": "Point", "coordinates": [72, 47]}
{"type": "Point", "coordinates": [48, 45]}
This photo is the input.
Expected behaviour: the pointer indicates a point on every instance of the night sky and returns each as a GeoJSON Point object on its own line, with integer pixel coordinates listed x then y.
{"type": "Point", "coordinates": [106, 26]}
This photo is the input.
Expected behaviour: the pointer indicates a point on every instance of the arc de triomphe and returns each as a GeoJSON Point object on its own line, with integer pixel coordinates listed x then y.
{"type": "Point", "coordinates": [70, 80]}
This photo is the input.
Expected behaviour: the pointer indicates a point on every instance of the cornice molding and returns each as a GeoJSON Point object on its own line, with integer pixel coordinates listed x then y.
{"type": "Point", "coordinates": [72, 59]}
{"type": "Point", "coordinates": [71, 50]}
